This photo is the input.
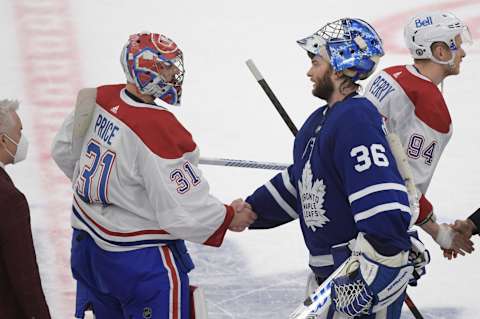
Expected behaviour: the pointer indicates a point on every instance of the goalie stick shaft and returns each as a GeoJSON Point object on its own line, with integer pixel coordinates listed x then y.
{"type": "Point", "coordinates": [319, 301]}
{"type": "Point", "coordinates": [258, 76]}
{"type": "Point", "coordinates": [273, 98]}
{"type": "Point", "coordinates": [242, 163]}
{"type": "Point", "coordinates": [416, 313]}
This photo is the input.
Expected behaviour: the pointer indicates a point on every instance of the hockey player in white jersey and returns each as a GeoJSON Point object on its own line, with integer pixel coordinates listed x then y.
{"type": "Point", "coordinates": [414, 108]}
{"type": "Point", "coordinates": [138, 192]}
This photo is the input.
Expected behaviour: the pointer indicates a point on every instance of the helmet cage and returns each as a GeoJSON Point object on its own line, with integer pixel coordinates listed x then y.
{"type": "Point", "coordinates": [146, 62]}
{"type": "Point", "coordinates": [352, 45]}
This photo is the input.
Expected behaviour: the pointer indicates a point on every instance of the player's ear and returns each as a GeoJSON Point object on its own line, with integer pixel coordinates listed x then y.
{"type": "Point", "coordinates": [441, 51]}
{"type": "Point", "coordinates": [337, 75]}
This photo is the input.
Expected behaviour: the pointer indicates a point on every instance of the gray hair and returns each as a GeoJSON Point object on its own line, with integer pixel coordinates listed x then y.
{"type": "Point", "coordinates": [6, 109]}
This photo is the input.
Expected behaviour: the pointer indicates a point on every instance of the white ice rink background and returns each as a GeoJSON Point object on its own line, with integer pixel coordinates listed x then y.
{"type": "Point", "coordinates": [51, 48]}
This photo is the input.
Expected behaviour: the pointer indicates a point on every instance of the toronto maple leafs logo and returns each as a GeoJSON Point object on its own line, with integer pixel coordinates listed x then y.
{"type": "Point", "coordinates": [312, 198]}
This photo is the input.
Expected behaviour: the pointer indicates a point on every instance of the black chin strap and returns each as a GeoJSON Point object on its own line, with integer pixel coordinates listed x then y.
{"type": "Point", "coordinates": [135, 98]}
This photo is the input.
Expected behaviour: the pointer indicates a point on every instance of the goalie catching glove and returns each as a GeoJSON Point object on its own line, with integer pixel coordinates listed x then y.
{"type": "Point", "coordinates": [372, 281]}
{"type": "Point", "coordinates": [419, 256]}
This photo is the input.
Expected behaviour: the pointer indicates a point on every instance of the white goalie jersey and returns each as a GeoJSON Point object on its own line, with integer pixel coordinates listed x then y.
{"type": "Point", "coordinates": [136, 183]}
{"type": "Point", "coordinates": [415, 110]}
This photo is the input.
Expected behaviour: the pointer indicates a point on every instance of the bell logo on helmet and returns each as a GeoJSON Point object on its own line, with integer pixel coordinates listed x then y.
{"type": "Point", "coordinates": [423, 22]}
{"type": "Point", "coordinates": [426, 29]}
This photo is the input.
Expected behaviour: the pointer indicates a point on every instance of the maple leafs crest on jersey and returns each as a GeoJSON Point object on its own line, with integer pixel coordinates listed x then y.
{"type": "Point", "coordinates": [312, 197]}
{"type": "Point", "coordinates": [336, 194]}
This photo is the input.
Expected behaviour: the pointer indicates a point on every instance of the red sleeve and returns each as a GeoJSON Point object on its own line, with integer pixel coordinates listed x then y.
{"type": "Point", "coordinates": [217, 238]}
{"type": "Point", "coordinates": [18, 256]}
{"type": "Point", "coordinates": [426, 211]}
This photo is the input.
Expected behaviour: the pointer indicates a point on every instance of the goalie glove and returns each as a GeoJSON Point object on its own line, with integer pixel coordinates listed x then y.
{"type": "Point", "coordinates": [419, 256]}
{"type": "Point", "coordinates": [371, 282]}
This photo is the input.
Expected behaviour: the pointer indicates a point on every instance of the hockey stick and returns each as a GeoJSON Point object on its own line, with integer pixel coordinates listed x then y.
{"type": "Point", "coordinates": [261, 80]}
{"type": "Point", "coordinates": [259, 77]}
{"type": "Point", "coordinates": [319, 301]}
{"type": "Point", "coordinates": [242, 163]}
{"type": "Point", "coordinates": [416, 313]}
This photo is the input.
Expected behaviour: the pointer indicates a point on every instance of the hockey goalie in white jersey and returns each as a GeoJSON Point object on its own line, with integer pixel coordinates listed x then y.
{"type": "Point", "coordinates": [414, 108]}
{"type": "Point", "coordinates": [138, 192]}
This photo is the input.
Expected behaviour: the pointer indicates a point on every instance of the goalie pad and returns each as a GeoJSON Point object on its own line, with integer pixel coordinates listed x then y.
{"type": "Point", "coordinates": [419, 256]}
{"type": "Point", "coordinates": [198, 304]}
{"type": "Point", "coordinates": [371, 282]}
{"type": "Point", "coordinates": [340, 254]}
{"type": "Point", "coordinates": [84, 107]}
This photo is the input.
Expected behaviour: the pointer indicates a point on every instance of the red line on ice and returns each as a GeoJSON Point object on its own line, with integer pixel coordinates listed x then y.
{"type": "Point", "coordinates": [51, 74]}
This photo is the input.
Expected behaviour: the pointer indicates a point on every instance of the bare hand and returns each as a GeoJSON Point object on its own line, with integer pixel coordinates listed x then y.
{"type": "Point", "coordinates": [449, 254]}
{"type": "Point", "coordinates": [461, 243]}
{"type": "Point", "coordinates": [449, 238]}
{"type": "Point", "coordinates": [465, 227]}
{"type": "Point", "coordinates": [244, 215]}
{"type": "Point", "coordinates": [239, 204]}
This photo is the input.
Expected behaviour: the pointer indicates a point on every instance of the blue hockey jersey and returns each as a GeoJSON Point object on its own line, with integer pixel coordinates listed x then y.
{"type": "Point", "coordinates": [343, 180]}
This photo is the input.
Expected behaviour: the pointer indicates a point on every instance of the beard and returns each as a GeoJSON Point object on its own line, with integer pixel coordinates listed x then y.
{"type": "Point", "coordinates": [324, 86]}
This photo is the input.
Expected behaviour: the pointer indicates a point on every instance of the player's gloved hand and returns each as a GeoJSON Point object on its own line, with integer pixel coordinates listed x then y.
{"type": "Point", "coordinates": [419, 256]}
{"type": "Point", "coordinates": [372, 282]}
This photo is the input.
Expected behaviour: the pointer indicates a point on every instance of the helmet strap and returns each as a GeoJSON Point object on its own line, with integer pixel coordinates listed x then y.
{"type": "Point", "coordinates": [450, 62]}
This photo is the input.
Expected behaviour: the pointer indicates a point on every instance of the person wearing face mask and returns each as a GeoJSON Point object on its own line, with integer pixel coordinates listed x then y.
{"type": "Point", "coordinates": [21, 294]}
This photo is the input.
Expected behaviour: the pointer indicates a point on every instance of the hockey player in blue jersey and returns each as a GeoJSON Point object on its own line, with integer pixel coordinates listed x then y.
{"type": "Point", "coordinates": [344, 185]}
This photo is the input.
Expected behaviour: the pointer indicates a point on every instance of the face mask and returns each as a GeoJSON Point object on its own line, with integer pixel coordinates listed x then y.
{"type": "Point", "coordinates": [22, 149]}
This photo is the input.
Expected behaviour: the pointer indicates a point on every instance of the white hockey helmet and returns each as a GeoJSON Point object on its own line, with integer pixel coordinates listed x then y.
{"type": "Point", "coordinates": [425, 29]}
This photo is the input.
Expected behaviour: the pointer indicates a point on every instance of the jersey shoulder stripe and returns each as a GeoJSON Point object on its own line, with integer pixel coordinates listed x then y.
{"type": "Point", "coordinates": [430, 106]}
{"type": "Point", "coordinates": [158, 128]}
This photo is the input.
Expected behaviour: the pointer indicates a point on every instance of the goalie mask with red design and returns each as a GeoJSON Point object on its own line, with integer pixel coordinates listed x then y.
{"type": "Point", "coordinates": [154, 64]}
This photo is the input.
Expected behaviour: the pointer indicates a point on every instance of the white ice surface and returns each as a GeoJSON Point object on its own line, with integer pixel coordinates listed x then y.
{"type": "Point", "coordinates": [256, 274]}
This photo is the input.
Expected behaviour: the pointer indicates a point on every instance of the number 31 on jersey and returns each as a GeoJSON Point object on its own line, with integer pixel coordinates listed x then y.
{"type": "Point", "coordinates": [92, 185]}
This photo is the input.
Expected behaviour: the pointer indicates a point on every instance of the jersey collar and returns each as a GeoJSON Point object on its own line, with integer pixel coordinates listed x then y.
{"type": "Point", "coordinates": [128, 99]}
{"type": "Point", "coordinates": [412, 69]}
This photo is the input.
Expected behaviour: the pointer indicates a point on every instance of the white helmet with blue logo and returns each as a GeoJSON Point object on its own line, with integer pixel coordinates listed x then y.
{"type": "Point", "coordinates": [425, 29]}
{"type": "Point", "coordinates": [351, 45]}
